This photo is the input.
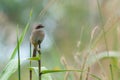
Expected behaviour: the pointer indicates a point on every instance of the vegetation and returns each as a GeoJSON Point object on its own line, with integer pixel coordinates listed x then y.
{"type": "Point", "coordinates": [81, 43]}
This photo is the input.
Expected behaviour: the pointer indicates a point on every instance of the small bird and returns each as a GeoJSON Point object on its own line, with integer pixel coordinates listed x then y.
{"type": "Point", "coordinates": [37, 37]}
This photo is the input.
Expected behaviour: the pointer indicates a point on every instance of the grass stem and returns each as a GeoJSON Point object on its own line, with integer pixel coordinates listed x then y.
{"type": "Point", "coordinates": [19, 68]}
{"type": "Point", "coordinates": [111, 70]}
{"type": "Point", "coordinates": [39, 63]}
{"type": "Point", "coordinates": [30, 64]}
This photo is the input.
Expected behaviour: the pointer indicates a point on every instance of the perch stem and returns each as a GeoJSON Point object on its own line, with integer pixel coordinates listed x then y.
{"type": "Point", "coordinates": [39, 63]}
{"type": "Point", "coordinates": [30, 64]}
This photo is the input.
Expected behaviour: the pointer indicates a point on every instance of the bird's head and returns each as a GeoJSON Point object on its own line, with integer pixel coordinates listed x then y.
{"type": "Point", "coordinates": [39, 26]}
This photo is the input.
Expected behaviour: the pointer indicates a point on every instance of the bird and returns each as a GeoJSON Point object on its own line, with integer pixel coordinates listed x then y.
{"type": "Point", "coordinates": [37, 37]}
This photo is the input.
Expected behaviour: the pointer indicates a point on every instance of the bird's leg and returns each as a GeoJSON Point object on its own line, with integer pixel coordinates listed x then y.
{"type": "Point", "coordinates": [34, 52]}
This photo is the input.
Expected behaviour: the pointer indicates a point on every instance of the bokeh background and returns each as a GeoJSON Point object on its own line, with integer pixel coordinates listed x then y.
{"type": "Point", "coordinates": [68, 26]}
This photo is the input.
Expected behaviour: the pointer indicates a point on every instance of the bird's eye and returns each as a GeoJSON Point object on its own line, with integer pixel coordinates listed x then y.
{"type": "Point", "coordinates": [39, 26]}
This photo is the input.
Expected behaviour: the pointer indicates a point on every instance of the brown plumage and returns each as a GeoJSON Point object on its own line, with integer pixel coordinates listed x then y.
{"type": "Point", "coordinates": [37, 37]}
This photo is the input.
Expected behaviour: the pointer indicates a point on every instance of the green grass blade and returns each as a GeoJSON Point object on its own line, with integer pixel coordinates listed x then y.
{"type": "Point", "coordinates": [19, 69]}
{"type": "Point", "coordinates": [34, 58]}
{"type": "Point", "coordinates": [44, 72]}
{"type": "Point", "coordinates": [30, 15]}
{"type": "Point", "coordinates": [20, 41]}
{"type": "Point", "coordinates": [9, 69]}
{"type": "Point", "coordinates": [22, 36]}
{"type": "Point", "coordinates": [54, 71]}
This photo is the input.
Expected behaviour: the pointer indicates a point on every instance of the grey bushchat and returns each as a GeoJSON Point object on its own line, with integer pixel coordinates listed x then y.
{"type": "Point", "coordinates": [37, 37]}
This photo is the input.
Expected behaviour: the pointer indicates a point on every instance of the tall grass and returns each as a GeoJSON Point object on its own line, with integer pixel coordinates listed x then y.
{"type": "Point", "coordinates": [19, 67]}
{"type": "Point", "coordinates": [84, 70]}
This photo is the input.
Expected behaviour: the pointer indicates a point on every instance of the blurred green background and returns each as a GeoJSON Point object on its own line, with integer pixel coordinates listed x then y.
{"type": "Point", "coordinates": [68, 27]}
